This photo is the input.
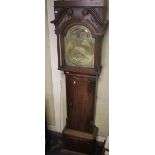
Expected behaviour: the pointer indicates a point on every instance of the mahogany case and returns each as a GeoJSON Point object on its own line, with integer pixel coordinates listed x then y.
{"type": "Point", "coordinates": [79, 134]}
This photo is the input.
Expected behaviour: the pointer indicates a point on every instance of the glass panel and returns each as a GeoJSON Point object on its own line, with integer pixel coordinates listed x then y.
{"type": "Point", "coordinates": [79, 47]}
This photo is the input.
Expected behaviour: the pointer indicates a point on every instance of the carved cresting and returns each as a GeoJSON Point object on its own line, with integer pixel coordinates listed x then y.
{"type": "Point", "coordinates": [89, 18]}
{"type": "Point", "coordinates": [94, 14]}
{"type": "Point", "coordinates": [62, 16]}
{"type": "Point", "coordinates": [61, 13]}
{"type": "Point", "coordinates": [91, 15]}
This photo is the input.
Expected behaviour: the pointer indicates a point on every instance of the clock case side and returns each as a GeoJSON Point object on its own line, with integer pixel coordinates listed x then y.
{"type": "Point", "coordinates": [92, 18]}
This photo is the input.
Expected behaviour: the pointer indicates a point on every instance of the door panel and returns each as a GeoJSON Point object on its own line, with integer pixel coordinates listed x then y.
{"type": "Point", "coordinates": [80, 102]}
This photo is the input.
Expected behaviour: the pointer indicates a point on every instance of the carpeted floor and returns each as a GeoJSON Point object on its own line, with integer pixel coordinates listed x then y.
{"type": "Point", "coordinates": [58, 152]}
{"type": "Point", "coordinates": [55, 149]}
{"type": "Point", "coordinates": [54, 145]}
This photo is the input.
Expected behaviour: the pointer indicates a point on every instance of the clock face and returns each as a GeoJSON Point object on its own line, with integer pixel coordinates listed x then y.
{"type": "Point", "coordinates": [79, 47]}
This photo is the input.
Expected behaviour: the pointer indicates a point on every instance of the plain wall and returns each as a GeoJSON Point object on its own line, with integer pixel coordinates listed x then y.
{"type": "Point", "coordinates": [49, 102]}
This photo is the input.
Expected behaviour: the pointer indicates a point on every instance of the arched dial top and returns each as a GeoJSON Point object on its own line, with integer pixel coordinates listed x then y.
{"type": "Point", "coordinates": [79, 47]}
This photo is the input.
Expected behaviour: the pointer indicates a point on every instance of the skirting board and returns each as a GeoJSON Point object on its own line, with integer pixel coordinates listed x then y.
{"type": "Point", "coordinates": [99, 138]}
{"type": "Point", "coordinates": [52, 128]}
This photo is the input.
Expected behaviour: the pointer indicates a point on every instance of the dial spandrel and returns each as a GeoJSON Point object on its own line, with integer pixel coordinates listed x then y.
{"type": "Point", "coordinates": [79, 47]}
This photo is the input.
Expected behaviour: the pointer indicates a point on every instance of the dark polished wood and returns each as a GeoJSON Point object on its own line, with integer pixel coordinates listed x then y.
{"type": "Point", "coordinates": [80, 132]}
{"type": "Point", "coordinates": [80, 3]}
{"type": "Point", "coordinates": [81, 94]}
{"type": "Point", "coordinates": [79, 141]}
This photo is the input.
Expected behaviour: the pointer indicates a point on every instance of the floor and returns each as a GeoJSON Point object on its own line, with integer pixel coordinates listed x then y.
{"type": "Point", "coordinates": [58, 152]}
{"type": "Point", "coordinates": [54, 144]}
{"type": "Point", "coordinates": [57, 145]}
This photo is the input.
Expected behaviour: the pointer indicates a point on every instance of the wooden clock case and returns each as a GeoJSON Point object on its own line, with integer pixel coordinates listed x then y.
{"type": "Point", "coordinates": [79, 134]}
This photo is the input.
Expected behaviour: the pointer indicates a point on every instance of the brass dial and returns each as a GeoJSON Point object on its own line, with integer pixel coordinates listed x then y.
{"type": "Point", "coordinates": [79, 47]}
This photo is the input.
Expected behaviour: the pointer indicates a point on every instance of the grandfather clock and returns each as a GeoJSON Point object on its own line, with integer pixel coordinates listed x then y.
{"type": "Point", "coordinates": [80, 26]}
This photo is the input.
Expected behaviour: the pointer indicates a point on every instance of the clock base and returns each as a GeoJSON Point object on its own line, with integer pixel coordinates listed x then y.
{"type": "Point", "coordinates": [79, 142]}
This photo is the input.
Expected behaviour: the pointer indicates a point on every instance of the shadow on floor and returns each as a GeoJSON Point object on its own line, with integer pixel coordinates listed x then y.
{"type": "Point", "coordinates": [55, 149]}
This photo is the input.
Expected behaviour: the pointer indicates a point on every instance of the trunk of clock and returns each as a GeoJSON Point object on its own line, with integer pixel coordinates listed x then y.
{"type": "Point", "coordinates": [80, 132]}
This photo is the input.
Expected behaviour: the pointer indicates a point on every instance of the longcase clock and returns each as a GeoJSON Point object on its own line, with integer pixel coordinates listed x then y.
{"type": "Point", "coordinates": [80, 26]}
